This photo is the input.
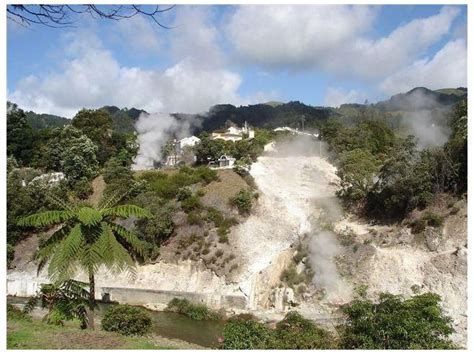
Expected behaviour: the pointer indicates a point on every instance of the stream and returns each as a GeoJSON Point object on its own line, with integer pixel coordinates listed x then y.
{"type": "Point", "coordinates": [167, 324]}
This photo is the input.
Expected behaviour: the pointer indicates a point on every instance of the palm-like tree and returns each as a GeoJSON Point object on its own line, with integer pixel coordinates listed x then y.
{"type": "Point", "coordinates": [87, 238]}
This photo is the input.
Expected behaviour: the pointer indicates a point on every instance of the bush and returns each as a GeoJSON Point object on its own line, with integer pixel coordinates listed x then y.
{"type": "Point", "coordinates": [10, 254]}
{"type": "Point", "coordinates": [395, 323]}
{"type": "Point", "coordinates": [191, 203]}
{"type": "Point", "coordinates": [242, 201]}
{"type": "Point", "coordinates": [433, 219]}
{"type": "Point", "coordinates": [14, 313]}
{"type": "Point", "coordinates": [245, 333]}
{"type": "Point", "coordinates": [291, 277]}
{"type": "Point", "coordinates": [418, 226]}
{"type": "Point", "coordinates": [297, 332]}
{"type": "Point", "coordinates": [194, 311]}
{"type": "Point", "coordinates": [126, 320]}
{"type": "Point", "coordinates": [184, 193]}
{"type": "Point", "coordinates": [194, 218]}
{"type": "Point", "coordinates": [82, 189]}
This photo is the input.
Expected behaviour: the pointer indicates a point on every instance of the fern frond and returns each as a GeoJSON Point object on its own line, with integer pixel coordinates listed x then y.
{"type": "Point", "coordinates": [60, 202]}
{"type": "Point", "coordinates": [129, 237]}
{"type": "Point", "coordinates": [114, 255]}
{"type": "Point", "coordinates": [46, 218]}
{"type": "Point", "coordinates": [63, 262]}
{"type": "Point", "coordinates": [125, 211]}
{"type": "Point", "coordinates": [113, 199]}
{"type": "Point", "coordinates": [89, 216]}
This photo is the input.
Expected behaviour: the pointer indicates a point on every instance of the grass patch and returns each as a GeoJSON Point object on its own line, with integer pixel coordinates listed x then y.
{"type": "Point", "coordinates": [194, 311]}
{"type": "Point", "coordinates": [167, 185]}
{"type": "Point", "coordinates": [36, 334]}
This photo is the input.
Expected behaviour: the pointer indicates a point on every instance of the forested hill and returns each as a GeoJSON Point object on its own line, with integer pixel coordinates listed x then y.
{"type": "Point", "coordinates": [423, 98]}
{"type": "Point", "coordinates": [43, 121]}
{"type": "Point", "coordinates": [265, 115]}
{"type": "Point", "coordinates": [271, 115]}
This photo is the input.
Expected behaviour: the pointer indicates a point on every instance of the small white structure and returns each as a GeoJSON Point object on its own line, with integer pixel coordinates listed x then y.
{"type": "Point", "coordinates": [223, 162]}
{"type": "Point", "coordinates": [50, 178]}
{"type": "Point", "coordinates": [295, 131]}
{"type": "Point", "coordinates": [235, 133]}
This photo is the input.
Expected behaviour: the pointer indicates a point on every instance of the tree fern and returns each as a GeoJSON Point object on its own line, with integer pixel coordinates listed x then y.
{"type": "Point", "coordinates": [87, 239]}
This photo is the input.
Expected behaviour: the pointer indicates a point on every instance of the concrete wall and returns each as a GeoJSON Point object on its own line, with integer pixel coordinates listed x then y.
{"type": "Point", "coordinates": [136, 296]}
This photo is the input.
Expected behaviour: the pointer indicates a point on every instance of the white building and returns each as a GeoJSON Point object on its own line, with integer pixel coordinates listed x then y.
{"type": "Point", "coordinates": [234, 133]}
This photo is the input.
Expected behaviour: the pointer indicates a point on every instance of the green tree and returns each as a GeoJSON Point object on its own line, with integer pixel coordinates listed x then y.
{"type": "Point", "coordinates": [88, 237]}
{"type": "Point", "coordinates": [96, 124]}
{"type": "Point", "coordinates": [19, 134]}
{"type": "Point", "coordinates": [357, 171]}
{"type": "Point", "coordinates": [79, 159]}
{"type": "Point", "coordinates": [395, 323]}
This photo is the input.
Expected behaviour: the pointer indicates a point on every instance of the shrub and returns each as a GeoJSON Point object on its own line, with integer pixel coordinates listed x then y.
{"type": "Point", "coordinates": [10, 254]}
{"type": "Point", "coordinates": [297, 332]}
{"type": "Point", "coordinates": [126, 320]}
{"type": "Point", "coordinates": [194, 311]}
{"type": "Point", "coordinates": [242, 201]}
{"type": "Point", "coordinates": [82, 189]}
{"type": "Point", "coordinates": [433, 219]}
{"type": "Point", "coordinates": [245, 333]}
{"type": "Point", "coordinates": [194, 218]}
{"type": "Point", "coordinates": [184, 193]}
{"type": "Point", "coordinates": [14, 313]}
{"type": "Point", "coordinates": [418, 226]}
{"type": "Point", "coordinates": [222, 233]}
{"type": "Point", "coordinates": [190, 203]}
{"type": "Point", "coordinates": [291, 277]}
{"type": "Point", "coordinates": [205, 174]}
{"type": "Point", "coordinates": [395, 323]}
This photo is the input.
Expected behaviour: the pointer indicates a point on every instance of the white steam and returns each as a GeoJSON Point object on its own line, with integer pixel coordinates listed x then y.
{"type": "Point", "coordinates": [424, 125]}
{"type": "Point", "coordinates": [323, 248]}
{"type": "Point", "coordinates": [154, 130]}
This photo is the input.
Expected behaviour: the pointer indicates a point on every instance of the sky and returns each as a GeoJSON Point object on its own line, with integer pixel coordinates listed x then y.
{"type": "Point", "coordinates": [319, 55]}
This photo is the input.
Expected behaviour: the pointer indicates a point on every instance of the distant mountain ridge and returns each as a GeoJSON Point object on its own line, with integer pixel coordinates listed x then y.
{"type": "Point", "coordinates": [273, 114]}
{"type": "Point", "coordinates": [423, 98]}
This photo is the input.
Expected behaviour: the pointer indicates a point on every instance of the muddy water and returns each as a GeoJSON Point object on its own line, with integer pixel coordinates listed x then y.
{"type": "Point", "coordinates": [170, 325]}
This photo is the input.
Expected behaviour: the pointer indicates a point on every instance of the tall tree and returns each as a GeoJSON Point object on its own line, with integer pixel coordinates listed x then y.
{"type": "Point", "coordinates": [87, 238]}
{"type": "Point", "coordinates": [96, 124]}
{"type": "Point", "coordinates": [19, 134]}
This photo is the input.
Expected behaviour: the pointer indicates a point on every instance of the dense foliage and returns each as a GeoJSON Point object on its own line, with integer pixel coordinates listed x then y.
{"type": "Point", "coordinates": [395, 323]}
{"type": "Point", "coordinates": [64, 301]}
{"type": "Point", "coordinates": [293, 332]}
{"type": "Point", "coordinates": [126, 320]}
{"type": "Point", "coordinates": [386, 173]}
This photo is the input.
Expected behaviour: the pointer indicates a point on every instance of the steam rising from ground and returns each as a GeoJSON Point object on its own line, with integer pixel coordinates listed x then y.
{"type": "Point", "coordinates": [424, 118]}
{"type": "Point", "coordinates": [154, 130]}
{"type": "Point", "coordinates": [296, 188]}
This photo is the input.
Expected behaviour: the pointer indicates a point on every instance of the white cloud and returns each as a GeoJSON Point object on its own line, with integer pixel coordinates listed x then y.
{"type": "Point", "coordinates": [195, 35]}
{"type": "Point", "coordinates": [448, 68]}
{"type": "Point", "coordinates": [294, 35]}
{"type": "Point", "coordinates": [332, 38]}
{"type": "Point", "coordinates": [140, 34]}
{"type": "Point", "coordinates": [336, 96]}
{"type": "Point", "coordinates": [91, 77]}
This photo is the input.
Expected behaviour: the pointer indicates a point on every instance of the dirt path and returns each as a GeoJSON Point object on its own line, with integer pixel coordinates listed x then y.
{"type": "Point", "coordinates": [98, 186]}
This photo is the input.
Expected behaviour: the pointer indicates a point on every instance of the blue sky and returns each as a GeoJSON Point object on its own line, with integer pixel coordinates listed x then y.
{"type": "Point", "coordinates": [238, 54]}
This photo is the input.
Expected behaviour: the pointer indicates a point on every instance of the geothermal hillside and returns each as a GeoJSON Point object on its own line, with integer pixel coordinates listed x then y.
{"type": "Point", "coordinates": [297, 210]}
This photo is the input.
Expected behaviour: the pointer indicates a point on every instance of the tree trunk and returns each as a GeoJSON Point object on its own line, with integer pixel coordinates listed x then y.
{"type": "Point", "coordinates": [91, 301]}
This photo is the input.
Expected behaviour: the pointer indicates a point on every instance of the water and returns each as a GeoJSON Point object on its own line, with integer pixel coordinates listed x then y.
{"type": "Point", "coordinates": [170, 325]}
